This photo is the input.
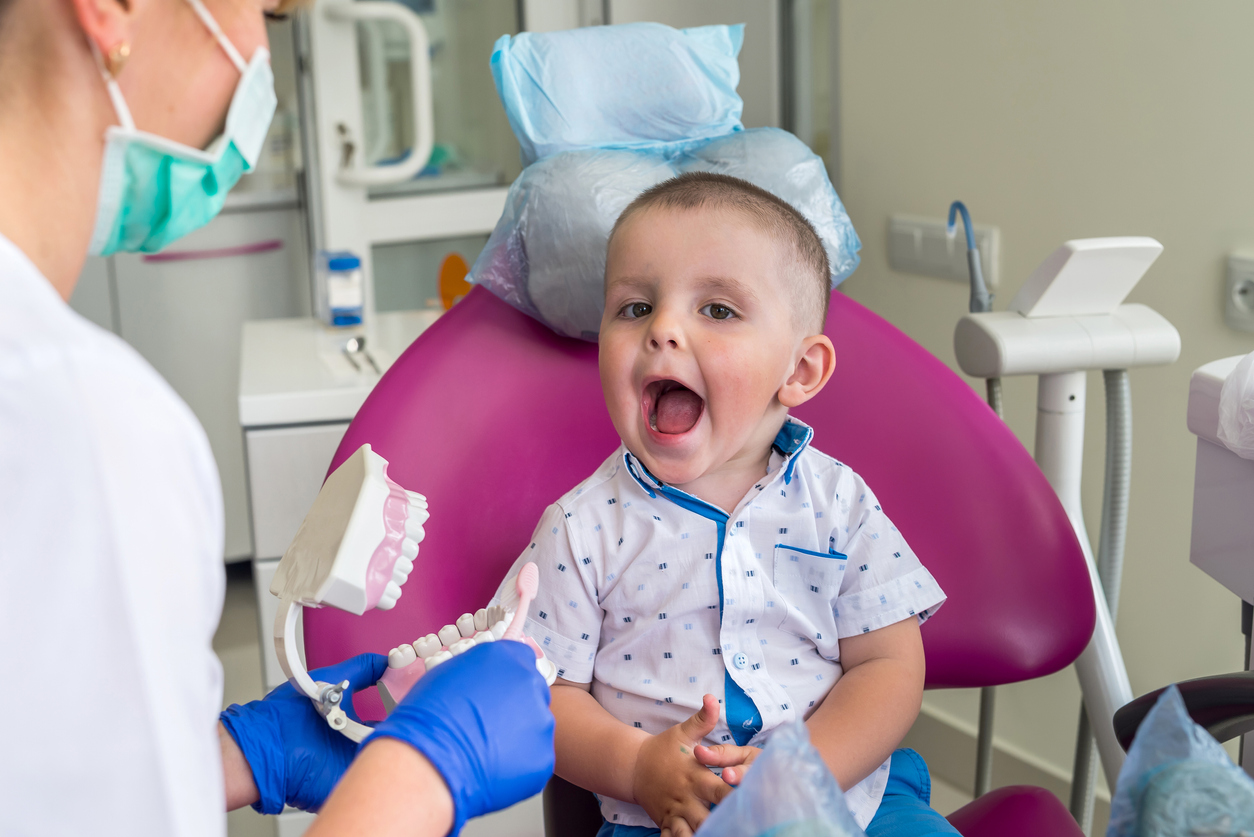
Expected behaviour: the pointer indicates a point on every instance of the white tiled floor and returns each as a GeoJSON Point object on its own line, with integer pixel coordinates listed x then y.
{"type": "Point", "coordinates": [238, 646]}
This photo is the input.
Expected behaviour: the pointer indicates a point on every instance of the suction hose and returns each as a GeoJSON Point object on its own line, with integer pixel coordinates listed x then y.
{"type": "Point", "coordinates": [1110, 551]}
{"type": "Point", "coordinates": [981, 300]}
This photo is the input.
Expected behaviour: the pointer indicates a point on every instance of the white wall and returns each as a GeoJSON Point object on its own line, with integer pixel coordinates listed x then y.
{"type": "Point", "coordinates": [1057, 120]}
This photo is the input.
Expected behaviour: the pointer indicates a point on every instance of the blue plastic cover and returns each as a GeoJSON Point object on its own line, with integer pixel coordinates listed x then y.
{"type": "Point", "coordinates": [789, 792]}
{"type": "Point", "coordinates": [1178, 780]}
{"type": "Point", "coordinates": [635, 85]}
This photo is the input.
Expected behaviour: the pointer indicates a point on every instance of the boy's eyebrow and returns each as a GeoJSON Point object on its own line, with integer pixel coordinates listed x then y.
{"type": "Point", "coordinates": [730, 286]}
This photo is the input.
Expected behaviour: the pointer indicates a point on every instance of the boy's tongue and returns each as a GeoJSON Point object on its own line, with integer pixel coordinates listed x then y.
{"type": "Point", "coordinates": [677, 411]}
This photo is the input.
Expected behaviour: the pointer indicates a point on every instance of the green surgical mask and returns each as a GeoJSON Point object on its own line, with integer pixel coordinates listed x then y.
{"type": "Point", "coordinates": [154, 190]}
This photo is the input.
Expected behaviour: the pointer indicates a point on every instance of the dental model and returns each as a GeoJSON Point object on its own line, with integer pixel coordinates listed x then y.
{"type": "Point", "coordinates": [353, 551]}
{"type": "Point", "coordinates": [407, 663]}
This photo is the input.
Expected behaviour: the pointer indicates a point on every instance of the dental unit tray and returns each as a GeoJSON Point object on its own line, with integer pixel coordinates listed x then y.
{"type": "Point", "coordinates": [353, 551]}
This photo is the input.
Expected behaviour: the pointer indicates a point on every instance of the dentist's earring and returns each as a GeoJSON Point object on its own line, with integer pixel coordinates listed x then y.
{"type": "Point", "coordinates": [117, 58]}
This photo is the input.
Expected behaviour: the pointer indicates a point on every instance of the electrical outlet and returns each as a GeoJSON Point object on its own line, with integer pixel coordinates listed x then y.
{"type": "Point", "coordinates": [1239, 293]}
{"type": "Point", "coordinates": [921, 245]}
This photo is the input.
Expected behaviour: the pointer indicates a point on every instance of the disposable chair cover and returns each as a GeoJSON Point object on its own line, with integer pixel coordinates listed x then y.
{"type": "Point", "coordinates": [1178, 780]}
{"type": "Point", "coordinates": [546, 256]}
{"type": "Point", "coordinates": [602, 114]}
{"type": "Point", "coordinates": [1236, 409]}
{"type": "Point", "coordinates": [788, 793]}
{"type": "Point", "coordinates": [634, 85]}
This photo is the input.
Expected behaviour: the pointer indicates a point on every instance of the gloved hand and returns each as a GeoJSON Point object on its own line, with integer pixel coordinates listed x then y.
{"type": "Point", "coordinates": [482, 720]}
{"type": "Point", "coordinates": [295, 756]}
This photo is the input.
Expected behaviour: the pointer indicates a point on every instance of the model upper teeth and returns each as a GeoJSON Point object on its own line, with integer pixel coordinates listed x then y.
{"type": "Point", "coordinates": [466, 624]}
{"type": "Point", "coordinates": [401, 569]}
{"type": "Point", "coordinates": [409, 548]}
{"type": "Point", "coordinates": [449, 634]}
{"type": "Point", "coordinates": [481, 619]}
{"type": "Point", "coordinates": [427, 646]}
{"type": "Point", "coordinates": [413, 525]}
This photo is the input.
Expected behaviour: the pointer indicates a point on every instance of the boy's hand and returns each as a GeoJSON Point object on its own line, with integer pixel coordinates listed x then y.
{"type": "Point", "coordinates": [674, 789]}
{"type": "Point", "coordinates": [734, 760]}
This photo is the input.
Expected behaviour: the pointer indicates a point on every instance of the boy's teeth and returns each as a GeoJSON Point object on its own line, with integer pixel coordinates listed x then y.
{"type": "Point", "coordinates": [461, 646]}
{"type": "Point", "coordinates": [466, 624]}
{"type": "Point", "coordinates": [481, 619]}
{"type": "Point", "coordinates": [484, 636]}
{"type": "Point", "coordinates": [449, 634]}
{"type": "Point", "coordinates": [427, 646]}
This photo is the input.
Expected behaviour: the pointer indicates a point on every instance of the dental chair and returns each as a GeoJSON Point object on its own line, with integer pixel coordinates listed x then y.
{"type": "Point", "coordinates": [493, 416]}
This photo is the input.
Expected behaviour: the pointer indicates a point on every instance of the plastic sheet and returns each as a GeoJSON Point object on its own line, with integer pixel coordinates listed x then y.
{"type": "Point", "coordinates": [635, 85]}
{"type": "Point", "coordinates": [789, 792]}
{"type": "Point", "coordinates": [546, 255]}
{"type": "Point", "coordinates": [1178, 781]}
{"type": "Point", "coordinates": [1236, 409]}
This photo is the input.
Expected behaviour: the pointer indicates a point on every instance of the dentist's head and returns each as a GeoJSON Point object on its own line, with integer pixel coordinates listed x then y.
{"type": "Point", "coordinates": [124, 123]}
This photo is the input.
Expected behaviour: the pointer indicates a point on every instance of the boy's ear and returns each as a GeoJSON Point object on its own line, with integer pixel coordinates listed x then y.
{"type": "Point", "coordinates": [813, 369]}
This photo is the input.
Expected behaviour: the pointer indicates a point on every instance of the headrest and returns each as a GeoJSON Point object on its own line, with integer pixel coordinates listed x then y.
{"type": "Point", "coordinates": [634, 85]}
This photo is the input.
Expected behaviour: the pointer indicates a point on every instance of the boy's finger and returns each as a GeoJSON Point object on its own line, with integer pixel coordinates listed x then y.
{"type": "Point", "coordinates": [677, 827]}
{"type": "Point", "coordinates": [711, 789]}
{"type": "Point", "coordinates": [702, 723]}
{"type": "Point", "coordinates": [722, 755]}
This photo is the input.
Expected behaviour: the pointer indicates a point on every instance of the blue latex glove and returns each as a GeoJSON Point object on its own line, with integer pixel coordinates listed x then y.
{"type": "Point", "coordinates": [295, 756]}
{"type": "Point", "coordinates": [483, 720]}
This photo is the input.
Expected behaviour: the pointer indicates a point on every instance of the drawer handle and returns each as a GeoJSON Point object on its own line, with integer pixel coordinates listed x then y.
{"type": "Point", "coordinates": [217, 252]}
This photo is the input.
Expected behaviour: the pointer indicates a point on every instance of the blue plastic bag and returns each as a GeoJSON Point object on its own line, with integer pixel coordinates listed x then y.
{"type": "Point", "coordinates": [635, 85]}
{"type": "Point", "coordinates": [1179, 782]}
{"type": "Point", "coordinates": [546, 256]}
{"type": "Point", "coordinates": [606, 112]}
{"type": "Point", "coordinates": [789, 792]}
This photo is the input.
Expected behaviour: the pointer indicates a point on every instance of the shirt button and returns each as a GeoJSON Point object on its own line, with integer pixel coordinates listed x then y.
{"type": "Point", "coordinates": [740, 661]}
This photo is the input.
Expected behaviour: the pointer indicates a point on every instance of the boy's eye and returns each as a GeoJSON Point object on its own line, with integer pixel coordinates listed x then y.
{"type": "Point", "coordinates": [637, 309]}
{"type": "Point", "coordinates": [719, 312]}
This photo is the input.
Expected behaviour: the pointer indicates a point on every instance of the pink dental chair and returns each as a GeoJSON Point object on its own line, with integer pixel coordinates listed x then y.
{"type": "Point", "coordinates": [493, 416]}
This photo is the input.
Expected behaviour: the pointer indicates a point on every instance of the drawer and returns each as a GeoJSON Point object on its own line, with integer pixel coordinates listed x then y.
{"type": "Point", "coordinates": [286, 466]}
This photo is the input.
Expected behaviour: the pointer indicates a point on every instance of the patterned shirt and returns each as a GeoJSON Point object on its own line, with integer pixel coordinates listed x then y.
{"type": "Point", "coordinates": [657, 597]}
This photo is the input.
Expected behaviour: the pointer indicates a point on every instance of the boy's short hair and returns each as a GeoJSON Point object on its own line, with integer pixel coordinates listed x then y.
{"type": "Point", "coordinates": [776, 217]}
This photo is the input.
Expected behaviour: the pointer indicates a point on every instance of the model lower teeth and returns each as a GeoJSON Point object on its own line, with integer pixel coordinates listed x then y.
{"type": "Point", "coordinates": [401, 656]}
{"type": "Point", "coordinates": [449, 634]}
{"type": "Point", "coordinates": [498, 630]}
{"type": "Point", "coordinates": [466, 624]}
{"type": "Point", "coordinates": [437, 659]}
{"type": "Point", "coordinates": [427, 646]}
{"type": "Point", "coordinates": [484, 636]}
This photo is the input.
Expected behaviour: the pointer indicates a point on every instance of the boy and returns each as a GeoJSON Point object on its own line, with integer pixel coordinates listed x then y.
{"type": "Point", "coordinates": [716, 562]}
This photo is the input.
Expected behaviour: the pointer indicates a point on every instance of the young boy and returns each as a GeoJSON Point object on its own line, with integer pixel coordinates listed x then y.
{"type": "Point", "coordinates": [716, 563]}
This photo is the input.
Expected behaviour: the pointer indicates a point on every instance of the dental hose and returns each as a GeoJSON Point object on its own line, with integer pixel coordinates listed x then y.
{"type": "Point", "coordinates": [1110, 552]}
{"type": "Point", "coordinates": [980, 301]}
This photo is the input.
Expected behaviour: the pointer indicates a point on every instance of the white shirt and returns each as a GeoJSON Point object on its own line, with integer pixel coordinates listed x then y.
{"type": "Point", "coordinates": [111, 582]}
{"type": "Point", "coordinates": [657, 597]}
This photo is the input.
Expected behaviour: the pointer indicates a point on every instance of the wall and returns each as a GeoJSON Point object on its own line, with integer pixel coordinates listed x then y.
{"type": "Point", "coordinates": [1054, 121]}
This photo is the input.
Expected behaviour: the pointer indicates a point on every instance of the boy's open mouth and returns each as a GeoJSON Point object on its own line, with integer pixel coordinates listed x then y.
{"type": "Point", "coordinates": [672, 407]}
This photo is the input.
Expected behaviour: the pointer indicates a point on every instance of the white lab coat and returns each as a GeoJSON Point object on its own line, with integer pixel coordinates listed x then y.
{"type": "Point", "coordinates": [111, 582]}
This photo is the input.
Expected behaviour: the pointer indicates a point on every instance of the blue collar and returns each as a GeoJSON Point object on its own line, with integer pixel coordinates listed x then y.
{"type": "Point", "coordinates": [790, 441]}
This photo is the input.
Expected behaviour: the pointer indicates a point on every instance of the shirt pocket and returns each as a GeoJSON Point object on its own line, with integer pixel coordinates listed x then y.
{"type": "Point", "coordinates": [809, 582]}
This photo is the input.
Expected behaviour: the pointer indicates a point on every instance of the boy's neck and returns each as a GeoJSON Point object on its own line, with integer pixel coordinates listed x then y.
{"type": "Point", "coordinates": [726, 485]}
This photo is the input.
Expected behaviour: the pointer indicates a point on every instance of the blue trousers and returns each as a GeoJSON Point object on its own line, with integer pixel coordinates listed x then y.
{"type": "Point", "coordinates": [904, 811]}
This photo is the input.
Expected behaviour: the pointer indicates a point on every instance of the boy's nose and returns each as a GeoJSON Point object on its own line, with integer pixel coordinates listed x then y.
{"type": "Point", "coordinates": [664, 332]}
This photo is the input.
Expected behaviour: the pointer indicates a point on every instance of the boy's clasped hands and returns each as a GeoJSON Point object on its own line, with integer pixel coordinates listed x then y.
{"type": "Point", "coordinates": [672, 779]}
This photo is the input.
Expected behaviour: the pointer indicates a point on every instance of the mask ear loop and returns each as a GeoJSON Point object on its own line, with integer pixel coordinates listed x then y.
{"type": "Point", "coordinates": [212, 25]}
{"type": "Point", "coordinates": [115, 93]}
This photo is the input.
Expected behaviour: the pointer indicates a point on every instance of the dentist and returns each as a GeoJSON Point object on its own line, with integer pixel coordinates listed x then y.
{"type": "Point", "coordinates": [123, 125]}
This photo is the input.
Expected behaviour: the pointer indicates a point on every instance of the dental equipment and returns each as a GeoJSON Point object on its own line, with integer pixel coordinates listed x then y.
{"type": "Point", "coordinates": [353, 551]}
{"type": "Point", "coordinates": [981, 300]}
{"type": "Point", "coordinates": [1069, 317]}
{"type": "Point", "coordinates": [408, 662]}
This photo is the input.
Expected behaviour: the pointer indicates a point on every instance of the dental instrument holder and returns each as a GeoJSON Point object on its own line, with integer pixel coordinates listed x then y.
{"type": "Point", "coordinates": [328, 698]}
{"type": "Point", "coordinates": [1068, 318]}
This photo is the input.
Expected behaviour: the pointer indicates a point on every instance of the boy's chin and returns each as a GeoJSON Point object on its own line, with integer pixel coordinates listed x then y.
{"type": "Point", "coordinates": [670, 470]}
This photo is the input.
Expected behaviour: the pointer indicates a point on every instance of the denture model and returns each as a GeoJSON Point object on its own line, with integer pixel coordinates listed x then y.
{"type": "Point", "coordinates": [410, 661]}
{"type": "Point", "coordinates": [353, 551]}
